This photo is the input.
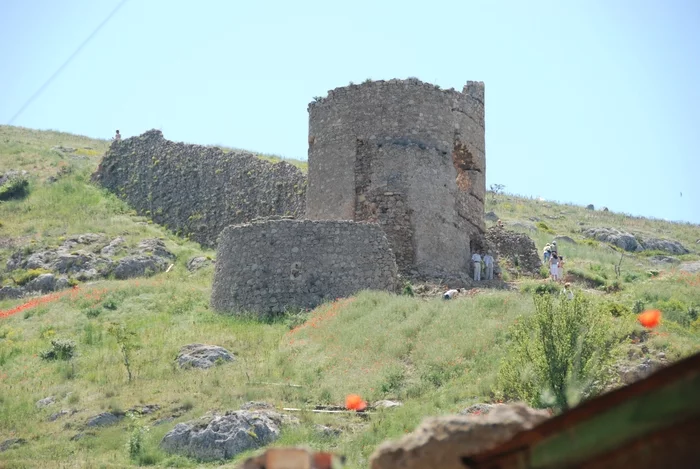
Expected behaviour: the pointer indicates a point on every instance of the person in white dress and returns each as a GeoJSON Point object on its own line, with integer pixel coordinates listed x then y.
{"type": "Point", "coordinates": [554, 266]}
{"type": "Point", "coordinates": [488, 262]}
{"type": "Point", "coordinates": [476, 261]}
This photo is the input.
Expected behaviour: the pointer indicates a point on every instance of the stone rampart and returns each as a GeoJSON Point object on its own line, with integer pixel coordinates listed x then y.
{"type": "Point", "coordinates": [409, 156]}
{"type": "Point", "coordinates": [197, 191]}
{"type": "Point", "coordinates": [270, 266]}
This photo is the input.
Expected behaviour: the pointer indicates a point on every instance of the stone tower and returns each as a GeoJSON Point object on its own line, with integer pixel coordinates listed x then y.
{"type": "Point", "coordinates": [409, 156]}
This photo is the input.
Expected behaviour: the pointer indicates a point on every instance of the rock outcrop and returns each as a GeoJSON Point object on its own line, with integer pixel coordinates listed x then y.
{"type": "Point", "coordinates": [220, 437]}
{"type": "Point", "coordinates": [632, 243]}
{"type": "Point", "coordinates": [202, 356]}
{"type": "Point", "coordinates": [86, 257]}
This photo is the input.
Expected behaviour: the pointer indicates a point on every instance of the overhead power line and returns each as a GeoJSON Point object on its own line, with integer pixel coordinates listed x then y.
{"type": "Point", "coordinates": [65, 64]}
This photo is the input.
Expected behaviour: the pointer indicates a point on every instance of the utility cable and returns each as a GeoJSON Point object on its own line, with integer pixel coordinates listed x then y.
{"type": "Point", "coordinates": [72, 56]}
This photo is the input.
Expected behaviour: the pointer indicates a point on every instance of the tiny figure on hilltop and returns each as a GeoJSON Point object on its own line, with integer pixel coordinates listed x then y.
{"type": "Point", "coordinates": [118, 137]}
{"type": "Point", "coordinates": [449, 294]}
{"type": "Point", "coordinates": [476, 260]}
{"type": "Point", "coordinates": [488, 262]}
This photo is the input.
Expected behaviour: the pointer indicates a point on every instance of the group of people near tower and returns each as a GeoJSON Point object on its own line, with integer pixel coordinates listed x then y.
{"type": "Point", "coordinates": [555, 261]}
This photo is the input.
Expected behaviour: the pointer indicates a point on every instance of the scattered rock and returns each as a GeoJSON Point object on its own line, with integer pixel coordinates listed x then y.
{"type": "Point", "coordinates": [47, 401]}
{"type": "Point", "coordinates": [145, 409]}
{"type": "Point", "coordinates": [661, 356]}
{"type": "Point", "coordinates": [387, 404]}
{"type": "Point", "coordinates": [663, 260]}
{"type": "Point", "coordinates": [691, 267]}
{"type": "Point", "coordinates": [62, 149]}
{"type": "Point", "coordinates": [163, 420]}
{"type": "Point", "coordinates": [11, 293]}
{"type": "Point", "coordinates": [443, 441]}
{"type": "Point", "coordinates": [518, 225]}
{"type": "Point", "coordinates": [478, 409]}
{"type": "Point", "coordinates": [257, 405]}
{"type": "Point", "coordinates": [631, 373]}
{"type": "Point", "coordinates": [63, 412]}
{"type": "Point", "coordinates": [12, 443]}
{"type": "Point", "coordinates": [221, 436]}
{"type": "Point", "coordinates": [202, 356]}
{"type": "Point", "coordinates": [666, 245]}
{"type": "Point", "coordinates": [113, 247]}
{"type": "Point", "coordinates": [590, 207]}
{"type": "Point", "coordinates": [491, 216]}
{"type": "Point", "coordinates": [621, 239]}
{"type": "Point", "coordinates": [44, 283]}
{"type": "Point", "coordinates": [565, 239]}
{"type": "Point", "coordinates": [327, 431]}
{"type": "Point", "coordinates": [139, 266]}
{"type": "Point", "coordinates": [155, 247]}
{"type": "Point", "coordinates": [104, 419]}
{"type": "Point", "coordinates": [197, 263]}
{"type": "Point", "coordinates": [81, 435]}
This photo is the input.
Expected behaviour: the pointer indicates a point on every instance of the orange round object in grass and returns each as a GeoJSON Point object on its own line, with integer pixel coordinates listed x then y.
{"type": "Point", "coordinates": [650, 318]}
{"type": "Point", "coordinates": [355, 402]}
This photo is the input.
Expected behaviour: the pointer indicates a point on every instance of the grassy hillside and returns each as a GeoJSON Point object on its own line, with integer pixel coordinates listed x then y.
{"type": "Point", "coordinates": [435, 356]}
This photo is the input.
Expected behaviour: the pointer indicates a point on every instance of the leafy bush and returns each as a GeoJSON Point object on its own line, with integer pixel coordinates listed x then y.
{"type": "Point", "coordinates": [557, 356]}
{"type": "Point", "coordinates": [544, 227]}
{"type": "Point", "coordinates": [24, 277]}
{"type": "Point", "coordinates": [677, 311]}
{"type": "Point", "coordinates": [16, 188]}
{"type": "Point", "coordinates": [93, 312]}
{"type": "Point", "coordinates": [639, 306]}
{"type": "Point", "coordinates": [616, 309]}
{"type": "Point", "coordinates": [407, 289]}
{"type": "Point", "coordinates": [61, 349]}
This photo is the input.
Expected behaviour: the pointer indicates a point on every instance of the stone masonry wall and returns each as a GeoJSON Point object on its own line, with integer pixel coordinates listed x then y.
{"type": "Point", "coordinates": [409, 156]}
{"type": "Point", "coordinates": [196, 190]}
{"type": "Point", "coordinates": [267, 266]}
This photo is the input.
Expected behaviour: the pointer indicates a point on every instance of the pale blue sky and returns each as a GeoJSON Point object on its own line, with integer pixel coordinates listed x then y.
{"type": "Point", "coordinates": [594, 102]}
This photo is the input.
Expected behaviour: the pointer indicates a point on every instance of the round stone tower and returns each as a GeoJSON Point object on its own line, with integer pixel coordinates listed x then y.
{"type": "Point", "coordinates": [408, 156]}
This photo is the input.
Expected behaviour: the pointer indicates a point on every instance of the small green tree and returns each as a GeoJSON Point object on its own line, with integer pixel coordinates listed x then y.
{"type": "Point", "coordinates": [126, 341]}
{"type": "Point", "coordinates": [559, 355]}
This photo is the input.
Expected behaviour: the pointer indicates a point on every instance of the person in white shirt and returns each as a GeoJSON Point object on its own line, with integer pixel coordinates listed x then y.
{"type": "Point", "coordinates": [449, 294]}
{"type": "Point", "coordinates": [476, 260]}
{"type": "Point", "coordinates": [488, 262]}
{"type": "Point", "coordinates": [118, 137]}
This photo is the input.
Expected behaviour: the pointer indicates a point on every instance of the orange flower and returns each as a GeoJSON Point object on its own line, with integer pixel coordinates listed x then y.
{"type": "Point", "coordinates": [650, 318]}
{"type": "Point", "coordinates": [355, 402]}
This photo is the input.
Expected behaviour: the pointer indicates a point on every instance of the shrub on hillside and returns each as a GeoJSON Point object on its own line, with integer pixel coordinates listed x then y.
{"type": "Point", "coordinates": [24, 277]}
{"type": "Point", "coordinates": [61, 349]}
{"type": "Point", "coordinates": [544, 227]}
{"type": "Point", "coordinates": [16, 188]}
{"type": "Point", "coordinates": [559, 355]}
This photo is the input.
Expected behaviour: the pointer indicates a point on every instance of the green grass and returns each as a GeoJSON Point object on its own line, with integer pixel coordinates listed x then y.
{"type": "Point", "coordinates": [436, 356]}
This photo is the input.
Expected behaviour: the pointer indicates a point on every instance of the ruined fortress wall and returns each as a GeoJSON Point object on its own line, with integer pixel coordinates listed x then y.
{"type": "Point", "coordinates": [267, 266]}
{"type": "Point", "coordinates": [408, 155]}
{"type": "Point", "coordinates": [196, 190]}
